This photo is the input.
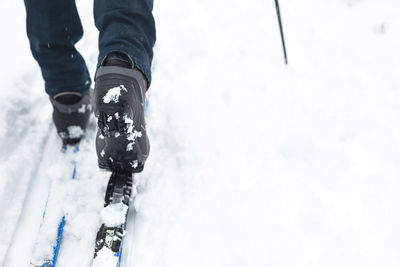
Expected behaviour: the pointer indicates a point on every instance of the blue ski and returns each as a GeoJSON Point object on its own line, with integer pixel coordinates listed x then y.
{"type": "Point", "coordinates": [52, 262]}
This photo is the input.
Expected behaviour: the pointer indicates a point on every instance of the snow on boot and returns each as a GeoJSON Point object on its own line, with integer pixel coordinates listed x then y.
{"type": "Point", "coordinates": [71, 112]}
{"type": "Point", "coordinates": [119, 99]}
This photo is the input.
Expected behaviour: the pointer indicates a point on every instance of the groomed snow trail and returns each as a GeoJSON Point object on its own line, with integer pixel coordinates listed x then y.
{"type": "Point", "coordinates": [53, 164]}
{"type": "Point", "coordinates": [252, 163]}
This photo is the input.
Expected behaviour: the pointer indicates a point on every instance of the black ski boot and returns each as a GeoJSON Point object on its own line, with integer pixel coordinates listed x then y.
{"type": "Point", "coordinates": [71, 112]}
{"type": "Point", "coordinates": [119, 100]}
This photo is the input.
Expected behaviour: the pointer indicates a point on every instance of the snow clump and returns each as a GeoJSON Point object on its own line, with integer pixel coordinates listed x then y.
{"type": "Point", "coordinates": [75, 131]}
{"type": "Point", "coordinates": [113, 94]}
{"type": "Point", "coordinates": [114, 214]}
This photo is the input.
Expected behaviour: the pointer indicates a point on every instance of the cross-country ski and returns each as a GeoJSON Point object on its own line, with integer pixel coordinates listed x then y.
{"type": "Point", "coordinates": [47, 245]}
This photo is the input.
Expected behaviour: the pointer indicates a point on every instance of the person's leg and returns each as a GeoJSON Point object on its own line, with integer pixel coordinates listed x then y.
{"type": "Point", "coordinates": [53, 28]}
{"type": "Point", "coordinates": [126, 26]}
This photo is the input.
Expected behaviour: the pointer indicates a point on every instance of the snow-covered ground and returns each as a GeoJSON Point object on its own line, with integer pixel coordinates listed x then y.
{"type": "Point", "coordinates": [253, 163]}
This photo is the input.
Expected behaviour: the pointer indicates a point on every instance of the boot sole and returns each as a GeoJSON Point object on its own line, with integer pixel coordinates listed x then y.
{"type": "Point", "coordinates": [114, 128]}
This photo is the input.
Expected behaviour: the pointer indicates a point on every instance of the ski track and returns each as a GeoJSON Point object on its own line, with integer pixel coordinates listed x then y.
{"type": "Point", "coordinates": [31, 214]}
{"type": "Point", "coordinates": [23, 151]}
{"type": "Point", "coordinates": [82, 220]}
{"type": "Point", "coordinates": [252, 163]}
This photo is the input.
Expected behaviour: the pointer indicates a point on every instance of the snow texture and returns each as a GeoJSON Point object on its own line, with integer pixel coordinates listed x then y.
{"type": "Point", "coordinates": [131, 137]}
{"type": "Point", "coordinates": [135, 164]}
{"type": "Point", "coordinates": [75, 131]}
{"type": "Point", "coordinates": [82, 109]}
{"type": "Point", "coordinates": [105, 258]}
{"type": "Point", "coordinates": [253, 163]}
{"type": "Point", "coordinates": [113, 94]}
{"type": "Point", "coordinates": [114, 214]}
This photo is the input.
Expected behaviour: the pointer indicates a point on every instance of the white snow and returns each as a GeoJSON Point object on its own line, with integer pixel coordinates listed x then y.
{"type": "Point", "coordinates": [105, 258]}
{"type": "Point", "coordinates": [75, 131]}
{"type": "Point", "coordinates": [113, 94]}
{"type": "Point", "coordinates": [131, 137]}
{"type": "Point", "coordinates": [129, 122]}
{"type": "Point", "coordinates": [135, 164]}
{"type": "Point", "coordinates": [252, 163]}
{"type": "Point", "coordinates": [129, 146]}
{"type": "Point", "coordinates": [82, 109]}
{"type": "Point", "coordinates": [114, 214]}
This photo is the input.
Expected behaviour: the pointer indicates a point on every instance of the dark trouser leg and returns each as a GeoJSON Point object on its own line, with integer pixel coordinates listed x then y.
{"type": "Point", "coordinates": [53, 28]}
{"type": "Point", "coordinates": [127, 26]}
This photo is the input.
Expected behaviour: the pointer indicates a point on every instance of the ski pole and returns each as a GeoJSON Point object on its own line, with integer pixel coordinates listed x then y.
{"type": "Point", "coordinates": [281, 29]}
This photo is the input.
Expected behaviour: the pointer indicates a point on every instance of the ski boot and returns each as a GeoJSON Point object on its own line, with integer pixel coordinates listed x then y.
{"type": "Point", "coordinates": [119, 100]}
{"type": "Point", "coordinates": [71, 112]}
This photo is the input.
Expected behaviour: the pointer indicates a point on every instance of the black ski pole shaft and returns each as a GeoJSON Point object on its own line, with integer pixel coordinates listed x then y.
{"type": "Point", "coordinates": [278, 12]}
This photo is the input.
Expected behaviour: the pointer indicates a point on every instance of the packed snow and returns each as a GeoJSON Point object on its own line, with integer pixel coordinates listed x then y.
{"type": "Point", "coordinates": [113, 94]}
{"type": "Point", "coordinates": [114, 214]}
{"type": "Point", "coordinates": [131, 137]}
{"type": "Point", "coordinates": [105, 258]}
{"type": "Point", "coordinates": [82, 109]}
{"type": "Point", "coordinates": [252, 163]}
{"type": "Point", "coordinates": [75, 131]}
